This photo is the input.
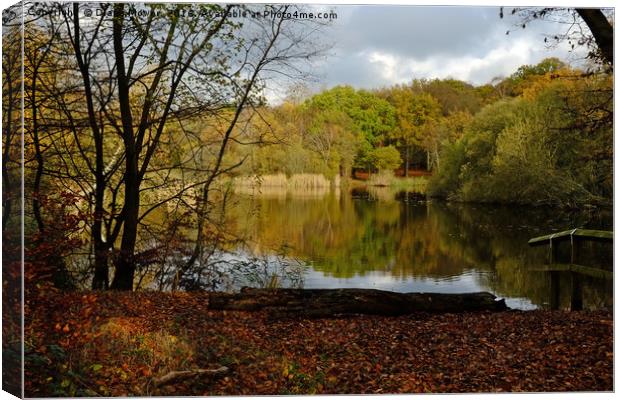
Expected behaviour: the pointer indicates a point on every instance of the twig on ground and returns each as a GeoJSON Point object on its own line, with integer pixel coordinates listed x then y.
{"type": "Point", "coordinates": [182, 375]}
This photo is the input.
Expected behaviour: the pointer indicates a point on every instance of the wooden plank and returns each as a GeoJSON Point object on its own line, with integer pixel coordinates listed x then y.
{"type": "Point", "coordinates": [588, 234]}
{"type": "Point", "coordinates": [598, 273]}
{"type": "Point", "coordinates": [593, 272]}
{"type": "Point", "coordinates": [576, 296]}
{"type": "Point", "coordinates": [551, 268]}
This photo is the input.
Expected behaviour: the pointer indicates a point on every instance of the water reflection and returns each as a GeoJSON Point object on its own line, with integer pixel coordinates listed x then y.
{"type": "Point", "coordinates": [399, 241]}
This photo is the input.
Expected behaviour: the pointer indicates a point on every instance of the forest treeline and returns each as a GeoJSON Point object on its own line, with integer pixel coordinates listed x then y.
{"type": "Point", "coordinates": [543, 135]}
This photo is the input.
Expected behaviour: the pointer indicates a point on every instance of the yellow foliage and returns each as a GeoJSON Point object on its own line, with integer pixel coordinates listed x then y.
{"type": "Point", "coordinates": [152, 352]}
{"type": "Point", "coordinates": [537, 83]}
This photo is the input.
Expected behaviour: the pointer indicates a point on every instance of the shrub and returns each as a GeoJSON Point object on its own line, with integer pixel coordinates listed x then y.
{"type": "Point", "coordinates": [385, 158]}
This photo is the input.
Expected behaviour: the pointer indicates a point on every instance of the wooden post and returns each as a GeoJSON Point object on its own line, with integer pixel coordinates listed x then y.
{"type": "Point", "coordinates": [554, 302]}
{"type": "Point", "coordinates": [574, 247]}
{"type": "Point", "coordinates": [553, 251]}
{"type": "Point", "coordinates": [576, 237]}
{"type": "Point", "coordinates": [576, 297]}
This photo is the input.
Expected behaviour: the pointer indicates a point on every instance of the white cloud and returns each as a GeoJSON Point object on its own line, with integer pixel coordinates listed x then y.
{"type": "Point", "coordinates": [502, 60]}
{"type": "Point", "coordinates": [380, 46]}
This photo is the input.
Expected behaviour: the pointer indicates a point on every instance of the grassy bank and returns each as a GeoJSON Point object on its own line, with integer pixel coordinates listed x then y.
{"type": "Point", "coordinates": [115, 344]}
{"type": "Point", "coordinates": [396, 183]}
{"type": "Point", "coordinates": [319, 181]}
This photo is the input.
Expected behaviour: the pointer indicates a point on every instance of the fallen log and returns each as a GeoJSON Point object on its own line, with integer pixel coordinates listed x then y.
{"type": "Point", "coordinates": [319, 303]}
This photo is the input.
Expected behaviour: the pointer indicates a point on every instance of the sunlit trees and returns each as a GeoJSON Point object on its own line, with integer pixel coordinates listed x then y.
{"type": "Point", "coordinates": [331, 136]}
{"type": "Point", "coordinates": [426, 111]}
{"type": "Point", "coordinates": [526, 75]}
{"type": "Point", "coordinates": [448, 129]}
{"type": "Point", "coordinates": [385, 158]}
{"type": "Point", "coordinates": [371, 118]}
{"type": "Point", "coordinates": [329, 133]}
{"type": "Point", "coordinates": [415, 113]}
{"type": "Point", "coordinates": [452, 95]}
{"type": "Point", "coordinates": [532, 149]}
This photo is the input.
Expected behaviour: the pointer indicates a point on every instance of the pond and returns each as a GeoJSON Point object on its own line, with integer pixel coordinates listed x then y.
{"type": "Point", "coordinates": [399, 241]}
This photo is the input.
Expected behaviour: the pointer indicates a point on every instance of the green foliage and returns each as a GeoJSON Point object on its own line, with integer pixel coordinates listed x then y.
{"type": "Point", "coordinates": [447, 181]}
{"type": "Point", "coordinates": [369, 118]}
{"type": "Point", "coordinates": [331, 136]}
{"type": "Point", "coordinates": [546, 66]}
{"type": "Point", "coordinates": [535, 148]}
{"type": "Point", "coordinates": [540, 136]}
{"type": "Point", "coordinates": [327, 134]}
{"type": "Point", "coordinates": [452, 95]}
{"type": "Point", "coordinates": [395, 184]}
{"type": "Point", "coordinates": [385, 158]}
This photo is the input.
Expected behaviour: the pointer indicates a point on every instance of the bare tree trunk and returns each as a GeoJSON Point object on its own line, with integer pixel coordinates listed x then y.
{"type": "Point", "coordinates": [601, 29]}
{"type": "Point", "coordinates": [7, 187]}
{"type": "Point", "coordinates": [406, 161]}
{"type": "Point", "coordinates": [12, 60]}
{"type": "Point", "coordinates": [100, 278]}
{"type": "Point", "coordinates": [428, 160]}
{"type": "Point", "coordinates": [101, 263]}
{"type": "Point", "coordinates": [125, 265]}
{"type": "Point", "coordinates": [36, 189]}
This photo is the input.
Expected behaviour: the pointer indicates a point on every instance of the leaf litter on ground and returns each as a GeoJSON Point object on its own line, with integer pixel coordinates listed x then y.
{"type": "Point", "coordinates": [116, 344]}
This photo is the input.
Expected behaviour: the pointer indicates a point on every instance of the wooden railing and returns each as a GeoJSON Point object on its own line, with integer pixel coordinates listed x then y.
{"type": "Point", "coordinates": [575, 236]}
{"type": "Point", "coordinates": [587, 234]}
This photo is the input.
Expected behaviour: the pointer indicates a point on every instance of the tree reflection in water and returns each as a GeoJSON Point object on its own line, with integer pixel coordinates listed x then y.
{"type": "Point", "coordinates": [401, 241]}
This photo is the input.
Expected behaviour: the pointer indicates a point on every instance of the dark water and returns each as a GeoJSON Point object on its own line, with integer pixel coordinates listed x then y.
{"type": "Point", "coordinates": [404, 242]}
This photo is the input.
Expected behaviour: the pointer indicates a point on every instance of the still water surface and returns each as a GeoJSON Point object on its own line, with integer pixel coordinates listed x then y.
{"type": "Point", "coordinates": [406, 243]}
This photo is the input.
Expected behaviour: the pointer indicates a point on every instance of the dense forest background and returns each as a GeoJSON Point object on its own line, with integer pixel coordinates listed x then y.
{"type": "Point", "coordinates": [539, 136]}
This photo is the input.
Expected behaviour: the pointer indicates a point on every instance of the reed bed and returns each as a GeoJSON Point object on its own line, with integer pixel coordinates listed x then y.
{"type": "Point", "coordinates": [308, 181]}
{"type": "Point", "coordinates": [418, 183]}
{"type": "Point", "coordinates": [295, 181]}
{"type": "Point", "coordinates": [276, 192]}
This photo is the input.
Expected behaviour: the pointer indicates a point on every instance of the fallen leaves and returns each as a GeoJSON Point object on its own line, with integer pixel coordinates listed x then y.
{"type": "Point", "coordinates": [156, 333]}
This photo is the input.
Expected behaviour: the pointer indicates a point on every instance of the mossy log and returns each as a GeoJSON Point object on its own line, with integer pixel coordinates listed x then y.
{"type": "Point", "coordinates": [319, 303]}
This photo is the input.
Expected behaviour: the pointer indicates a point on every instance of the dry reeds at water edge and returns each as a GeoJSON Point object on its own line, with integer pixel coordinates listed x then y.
{"type": "Point", "coordinates": [297, 181]}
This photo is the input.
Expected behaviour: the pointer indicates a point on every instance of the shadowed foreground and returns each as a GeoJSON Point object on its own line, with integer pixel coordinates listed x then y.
{"type": "Point", "coordinates": [113, 344]}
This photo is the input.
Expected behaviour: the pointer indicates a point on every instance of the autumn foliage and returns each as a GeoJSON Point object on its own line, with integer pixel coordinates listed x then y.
{"type": "Point", "coordinates": [111, 344]}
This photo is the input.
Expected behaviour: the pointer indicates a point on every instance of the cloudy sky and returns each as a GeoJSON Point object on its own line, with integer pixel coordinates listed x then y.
{"type": "Point", "coordinates": [377, 46]}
